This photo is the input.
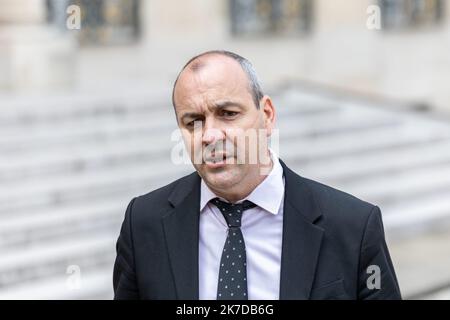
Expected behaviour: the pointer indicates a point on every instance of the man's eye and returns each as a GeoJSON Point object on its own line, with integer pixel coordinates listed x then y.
{"type": "Point", "coordinates": [194, 123]}
{"type": "Point", "coordinates": [229, 113]}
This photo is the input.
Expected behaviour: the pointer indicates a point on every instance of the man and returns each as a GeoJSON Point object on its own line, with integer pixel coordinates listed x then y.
{"type": "Point", "coordinates": [242, 229]}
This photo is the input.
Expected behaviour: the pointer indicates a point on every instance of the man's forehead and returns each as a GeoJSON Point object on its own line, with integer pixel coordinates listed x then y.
{"type": "Point", "coordinates": [212, 69]}
{"type": "Point", "coordinates": [211, 79]}
{"type": "Point", "coordinates": [211, 59]}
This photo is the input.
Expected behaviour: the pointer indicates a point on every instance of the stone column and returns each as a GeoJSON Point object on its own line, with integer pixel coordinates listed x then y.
{"type": "Point", "coordinates": [344, 49]}
{"type": "Point", "coordinates": [33, 54]}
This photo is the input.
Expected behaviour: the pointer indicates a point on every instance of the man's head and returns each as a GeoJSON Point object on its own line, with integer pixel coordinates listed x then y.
{"type": "Point", "coordinates": [217, 99]}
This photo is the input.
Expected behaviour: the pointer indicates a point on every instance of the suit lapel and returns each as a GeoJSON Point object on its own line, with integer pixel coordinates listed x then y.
{"type": "Point", "coordinates": [301, 238]}
{"type": "Point", "coordinates": [181, 229]}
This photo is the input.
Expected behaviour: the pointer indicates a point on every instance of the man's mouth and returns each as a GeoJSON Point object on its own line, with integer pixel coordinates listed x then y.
{"type": "Point", "coordinates": [216, 160]}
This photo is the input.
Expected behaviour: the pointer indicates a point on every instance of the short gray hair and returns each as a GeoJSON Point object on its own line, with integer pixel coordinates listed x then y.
{"type": "Point", "coordinates": [254, 85]}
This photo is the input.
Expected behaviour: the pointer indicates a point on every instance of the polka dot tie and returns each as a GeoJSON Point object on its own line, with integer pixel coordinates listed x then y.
{"type": "Point", "coordinates": [233, 266]}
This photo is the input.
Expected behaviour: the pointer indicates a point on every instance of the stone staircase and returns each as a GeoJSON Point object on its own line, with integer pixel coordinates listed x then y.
{"type": "Point", "coordinates": [70, 164]}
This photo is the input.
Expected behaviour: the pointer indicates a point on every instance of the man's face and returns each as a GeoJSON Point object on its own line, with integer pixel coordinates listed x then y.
{"type": "Point", "coordinates": [214, 110]}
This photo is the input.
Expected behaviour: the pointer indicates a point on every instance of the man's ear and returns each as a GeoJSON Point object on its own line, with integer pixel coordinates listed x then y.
{"type": "Point", "coordinates": [269, 114]}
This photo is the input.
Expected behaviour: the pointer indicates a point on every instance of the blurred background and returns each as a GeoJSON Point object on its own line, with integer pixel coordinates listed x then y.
{"type": "Point", "coordinates": [362, 94]}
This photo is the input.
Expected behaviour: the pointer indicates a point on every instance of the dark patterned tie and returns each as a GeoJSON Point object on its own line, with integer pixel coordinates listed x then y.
{"type": "Point", "coordinates": [233, 266]}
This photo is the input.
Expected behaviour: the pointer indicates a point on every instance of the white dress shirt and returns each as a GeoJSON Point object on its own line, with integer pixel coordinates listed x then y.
{"type": "Point", "coordinates": [262, 228]}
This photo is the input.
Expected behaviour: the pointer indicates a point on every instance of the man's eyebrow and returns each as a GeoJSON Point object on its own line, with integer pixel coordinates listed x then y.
{"type": "Point", "coordinates": [191, 115]}
{"type": "Point", "coordinates": [217, 105]}
{"type": "Point", "coordinates": [227, 103]}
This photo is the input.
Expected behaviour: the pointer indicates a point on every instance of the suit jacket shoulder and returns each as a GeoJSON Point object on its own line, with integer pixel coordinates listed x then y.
{"type": "Point", "coordinates": [353, 241]}
{"type": "Point", "coordinates": [157, 200]}
{"type": "Point", "coordinates": [342, 213]}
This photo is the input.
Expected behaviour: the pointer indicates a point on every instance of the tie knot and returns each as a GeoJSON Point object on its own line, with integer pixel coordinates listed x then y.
{"type": "Point", "coordinates": [232, 212]}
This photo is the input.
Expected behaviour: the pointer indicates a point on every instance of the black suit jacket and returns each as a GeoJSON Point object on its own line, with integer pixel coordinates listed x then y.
{"type": "Point", "coordinates": [330, 240]}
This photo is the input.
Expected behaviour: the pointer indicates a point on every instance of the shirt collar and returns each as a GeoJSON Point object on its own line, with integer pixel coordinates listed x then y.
{"type": "Point", "coordinates": [267, 195]}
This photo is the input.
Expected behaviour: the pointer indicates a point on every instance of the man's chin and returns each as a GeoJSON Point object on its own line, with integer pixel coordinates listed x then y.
{"type": "Point", "coordinates": [219, 178]}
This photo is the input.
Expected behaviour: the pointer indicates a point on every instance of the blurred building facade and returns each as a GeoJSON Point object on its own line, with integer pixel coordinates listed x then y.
{"type": "Point", "coordinates": [331, 43]}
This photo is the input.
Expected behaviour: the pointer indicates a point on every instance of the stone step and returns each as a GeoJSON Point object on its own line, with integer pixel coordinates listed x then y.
{"type": "Point", "coordinates": [397, 187]}
{"type": "Point", "coordinates": [36, 141]}
{"type": "Point", "coordinates": [360, 166]}
{"type": "Point", "coordinates": [112, 112]}
{"type": "Point", "coordinates": [33, 109]}
{"type": "Point", "coordinates": [95, 284]}
{"type": "Point", "coordinates": [64, 189]}
{"type": "Point", "coordinates": [43, 261]}
{"type": "Point", "coordinates": [82, 158]}
{"type": "Point", "coordinates": [49, 224]}
{"type": "Point", "coordinates": [418, 215]}
{"type": "Point", "coordinates": [338, 145]}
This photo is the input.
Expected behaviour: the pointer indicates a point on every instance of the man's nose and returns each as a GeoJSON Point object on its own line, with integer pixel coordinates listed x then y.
{"type": "Point", "coordinates": [211, 132]}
